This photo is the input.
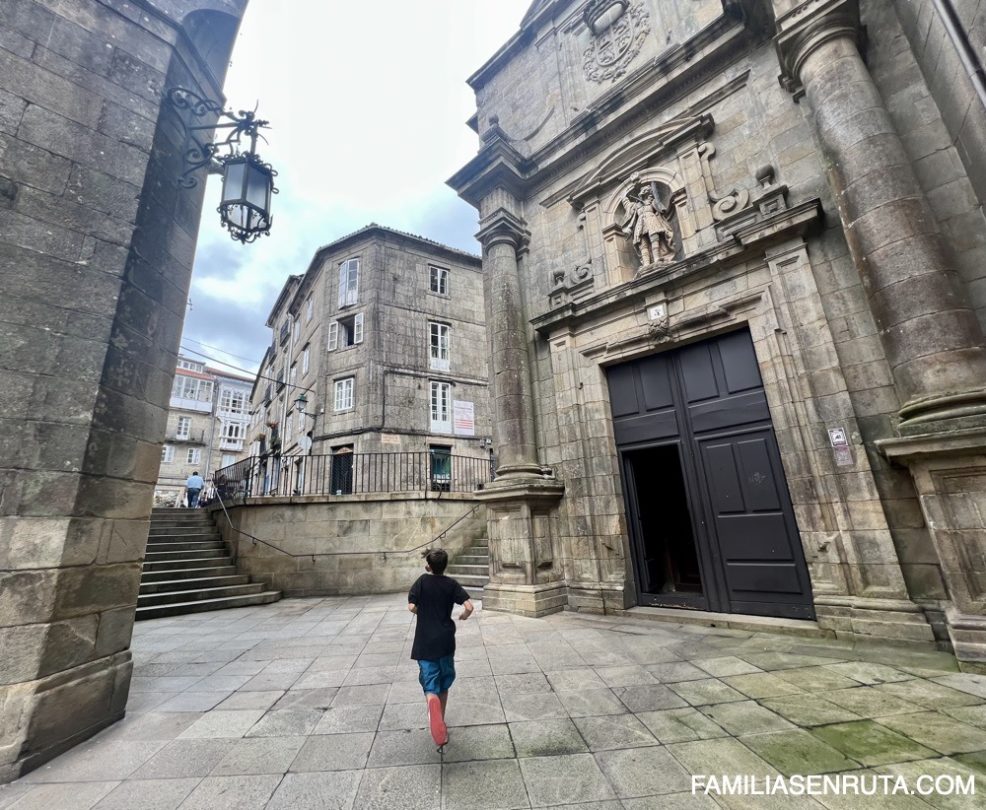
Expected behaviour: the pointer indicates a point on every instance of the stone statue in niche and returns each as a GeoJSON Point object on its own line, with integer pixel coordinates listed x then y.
{"type": "Point", "coordinates": [648, 227]}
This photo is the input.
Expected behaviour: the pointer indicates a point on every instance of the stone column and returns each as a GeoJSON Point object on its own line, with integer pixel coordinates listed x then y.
{"type": "Point", "coordinates": [520, 502]}
{"type": "Point", "coordinates": [930, 335]}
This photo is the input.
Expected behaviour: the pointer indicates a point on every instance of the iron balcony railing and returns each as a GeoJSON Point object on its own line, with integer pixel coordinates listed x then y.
{"type": "Point", "coordinates": [352, 473]}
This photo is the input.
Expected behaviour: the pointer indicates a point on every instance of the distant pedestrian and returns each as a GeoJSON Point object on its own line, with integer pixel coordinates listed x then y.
{"type": "Point", "coordinates": [193, 485]}
{"type": "Point", "coordinates": [431, 598]}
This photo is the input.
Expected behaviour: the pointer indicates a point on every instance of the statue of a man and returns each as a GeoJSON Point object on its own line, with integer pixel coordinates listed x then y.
{"type": "Point", "coordinates": [647, 226]}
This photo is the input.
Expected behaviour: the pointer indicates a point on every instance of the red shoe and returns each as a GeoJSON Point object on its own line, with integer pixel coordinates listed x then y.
{"type": "Point", "coordinates": [439, 731]}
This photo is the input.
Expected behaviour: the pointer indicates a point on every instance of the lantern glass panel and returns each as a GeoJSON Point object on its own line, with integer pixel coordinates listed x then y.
{"type": "Point", "coordinates": [258, 187]}
{"type": "Point", "coordinates": [233, 180]}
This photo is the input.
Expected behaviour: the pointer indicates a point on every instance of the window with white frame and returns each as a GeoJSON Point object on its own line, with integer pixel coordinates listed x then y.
{"type": "Point", "coordinates": [344, 394]}
{"type": "Point", "coordinates": [191, 388]}
{"type": "Point", "coordinates": [441, 407]}
{"type": "Point", "coordinates": [345, 332]}
{"type": "Point", "coordinates": [309, 308]}
{"type": "Point", "coordinates": [233, 430]}
{"type": "Point", "coordinates": [297, 328]}
{"type": "Point", "coordinates": [439, 280]}
{"type": "Point", "coordinates": [194, 455]}
{"type": "Point", "coordinates": [293, 379]}
{"type": "Point", "coordinates": [228, 460]}
{"type": "Point", "coordinates": [167, 454]}
{"type": "Point", "coordinates": [232, 400]}
{"type": "Point", "coordinates": [438, 342]}
{"type": "Point", "coordinates": [306, 359]}
{"type": "Point", "coordinates": [348, 282]}
{"type": "Point", "coordinates": [184, 428]}
{"type": "Point", "coordinates": [191, 365]}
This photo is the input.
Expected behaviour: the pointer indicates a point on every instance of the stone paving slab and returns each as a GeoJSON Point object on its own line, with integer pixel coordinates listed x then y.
{"type": "Point", "coordinates": [314, 703]}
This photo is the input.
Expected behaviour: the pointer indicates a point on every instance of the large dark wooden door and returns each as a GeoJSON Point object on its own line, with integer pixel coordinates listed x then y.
{"type": "Point", "coordinates": [710, 517]}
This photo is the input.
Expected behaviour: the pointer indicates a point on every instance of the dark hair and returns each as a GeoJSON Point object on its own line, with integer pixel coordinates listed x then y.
{"type": "Point", "coordinates": [437, 559]}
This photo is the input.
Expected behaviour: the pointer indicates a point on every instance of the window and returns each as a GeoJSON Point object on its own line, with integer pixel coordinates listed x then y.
{"type": "Point", "coordinates": [191, 365]}
{"type": "Point", "coordinates": [348, 282]}
{"type": "Point", "coordinates": [294, 374]}
{"type": "Point", "coordinates": [228, 460]}
{"type": "Point", "coordinates": [232, 401]}
{"type": "Point", "coordinates": [344, 394]}
{"type": "Point", "coordinates": [439, 280]}
{"type": "Point", "coordinates": [194, 455]}
{"type": "Point", "coordinates": [167, 454]}
{"type": "Point", "coordinates": [309, 309]}
{"type": "Point", "coordinates": [233, 431]}
{"type": "Point", "coordinates": [297, 328]}
{"type": "Point", "coordinates": [184, 428]}
{"type": "Point", "coordinates": [346, 332]}
{"type": "Point", "coordinates": [438, 346]}
{"type": "Point", "coordinates": [305, 360]}
{"type": "Point", "coordinates": [441, 407]}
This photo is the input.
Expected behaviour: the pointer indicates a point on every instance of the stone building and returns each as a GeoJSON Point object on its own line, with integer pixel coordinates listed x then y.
{"type": "Point", "coordinates": [735, 265]}
{"type": "Point", "coordinates": [96, 248]}
{"type": "Point", "coordinates": [208, 417]}
{"type": "Point", "coordinates": [384, 336]}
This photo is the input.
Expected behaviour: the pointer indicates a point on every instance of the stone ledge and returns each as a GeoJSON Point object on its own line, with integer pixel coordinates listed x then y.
{"type": "Point", "coordinates": [731, 621]}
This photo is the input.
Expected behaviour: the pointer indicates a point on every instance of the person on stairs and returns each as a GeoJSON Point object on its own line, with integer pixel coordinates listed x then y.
{"type": "Point", "coordinates": [193, 485]}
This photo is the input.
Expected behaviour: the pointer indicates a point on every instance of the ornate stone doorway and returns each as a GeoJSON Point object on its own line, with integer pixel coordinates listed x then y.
{"type": "Point", "coordinates": [711, 521]}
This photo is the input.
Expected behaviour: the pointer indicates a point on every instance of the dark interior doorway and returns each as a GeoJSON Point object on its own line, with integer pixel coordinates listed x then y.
{"type": "Point", "coordinates": [662, 524]}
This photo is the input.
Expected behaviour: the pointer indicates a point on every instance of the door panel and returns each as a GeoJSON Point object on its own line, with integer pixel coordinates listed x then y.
{"type": "Point", "coordinates": [709, 398]}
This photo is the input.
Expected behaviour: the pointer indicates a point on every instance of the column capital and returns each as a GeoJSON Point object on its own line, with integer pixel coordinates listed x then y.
{"type": "Point", "coordinates": [806, 27]}
{"type": "Point", "coordinates": [500, 226]}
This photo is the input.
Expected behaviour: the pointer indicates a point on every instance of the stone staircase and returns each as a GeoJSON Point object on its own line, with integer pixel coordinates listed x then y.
{"type": "Point", "coordinates": [188, 569]}
{"type": "Point", "coordinates": [472, 568]}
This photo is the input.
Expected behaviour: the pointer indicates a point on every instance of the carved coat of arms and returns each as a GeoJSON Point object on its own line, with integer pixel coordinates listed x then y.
{"type": "Point", "coordinates": [615, 45]}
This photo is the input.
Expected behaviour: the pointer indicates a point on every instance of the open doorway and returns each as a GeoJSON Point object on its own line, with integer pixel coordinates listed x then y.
{"type": "Point", "coordinates": [667, 558]}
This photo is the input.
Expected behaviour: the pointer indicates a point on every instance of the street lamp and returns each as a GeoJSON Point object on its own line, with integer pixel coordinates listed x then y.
{"type": "Point", "coordinates": [248, 182]}
{"type": "Point", "coordinates": [301, 402]}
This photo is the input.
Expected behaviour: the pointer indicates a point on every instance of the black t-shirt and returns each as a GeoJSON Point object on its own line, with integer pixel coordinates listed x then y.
{"type": "Point", "coordinates": [434, 635]}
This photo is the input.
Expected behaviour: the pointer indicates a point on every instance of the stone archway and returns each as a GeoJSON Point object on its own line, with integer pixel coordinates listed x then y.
{"type": "Point", "coordinates": [96, 250]}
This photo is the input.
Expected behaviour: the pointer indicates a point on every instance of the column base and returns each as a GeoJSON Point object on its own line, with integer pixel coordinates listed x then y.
{"type": "Point", "coordinates": [967, 634]}
{"type": "Point", "coordinates": [532, 601]}
{"type": "Point", "coordinates": [43, 718]}
{"type": "Point", "coordinates": [884, 619]}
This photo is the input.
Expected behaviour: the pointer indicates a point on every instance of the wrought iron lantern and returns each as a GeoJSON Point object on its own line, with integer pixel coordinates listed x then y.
{"type": "Point", "coordinates": [301, 402]}
{"type": "Point", "coordinates": [248, 182]}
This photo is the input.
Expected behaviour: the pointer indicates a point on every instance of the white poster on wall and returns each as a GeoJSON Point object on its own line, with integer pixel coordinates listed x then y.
{"type": "Point", "coordinates": [464, 418]}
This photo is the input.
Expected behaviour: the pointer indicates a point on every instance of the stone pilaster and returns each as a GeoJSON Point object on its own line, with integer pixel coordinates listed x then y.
{"type": "Point", "coordinates": [930, 335]}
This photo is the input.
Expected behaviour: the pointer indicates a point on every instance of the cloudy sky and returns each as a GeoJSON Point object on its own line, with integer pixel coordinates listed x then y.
{"type": "Point", "coordinates": [367, 104]}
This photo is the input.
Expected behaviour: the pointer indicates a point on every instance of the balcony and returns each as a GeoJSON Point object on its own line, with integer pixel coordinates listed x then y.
{"type": "Point", "coordinates": [185, 404]}
{"type": "Point", "coordinates": [191, 437]}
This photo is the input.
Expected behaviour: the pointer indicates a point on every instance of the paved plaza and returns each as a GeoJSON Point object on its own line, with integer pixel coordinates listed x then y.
{"type": "Point", "coordinates": [313, 704]}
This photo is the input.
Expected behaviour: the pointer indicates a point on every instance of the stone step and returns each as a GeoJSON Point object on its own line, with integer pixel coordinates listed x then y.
{"type": "Point", "coordinates": [192, 583]}
{"type": "Point", "coordinates": [179, 608]}
{"type": "Point", "coordinates": [484, 562]}
{"type": "Point", "coordinates": [191, 528]}
{"type": "Point", "coordinates": [167, 574]}
{"type": "Point", "coordinates": [157, 556]}
{"type": "Point", "coordinates": [202, 545]}
{"type": "Point", "coordinates": [165, 540]}
{"type": "Point", "coordinates": [197, 562]}
{"type": "Point", "coordinates": [202, 594]}
{"type": "Point", "coordinates": [466, 568]}
{"type": "Point", "coordinates": [198, 517]}
{"type": "Point", "coordinates": [467, 580]}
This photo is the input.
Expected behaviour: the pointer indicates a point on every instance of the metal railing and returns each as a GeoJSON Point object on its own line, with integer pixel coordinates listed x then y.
{"type": "Point", "coordinates": [351, 473]}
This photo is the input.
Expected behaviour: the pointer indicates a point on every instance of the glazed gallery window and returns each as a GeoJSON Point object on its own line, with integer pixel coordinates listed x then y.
{"type": "Point", "coordinates": [348, 282]}
{"type": "Point", "coordinates": [167, 454]}
{"type": "Point", "coordinates": [441, 407]}
{"type": "Point", "coordinates": [233, 430]}
{"type": "Point", "coordinates": [194, 455]}
{"type": "Point", "coordinates": [438, 342]}
{"type": "Point", "coordinates": [344, 394]}
{"type": "Point", "coordinates": [184, 427]}
{"type": "Point", "coordinates": [191, 388]}
{"type": "Point", "coordinates": [345, 332]}
{"type": "Point", "coordinates": [232, 401]}
{"type": "Point", "coordinates": [439, 280]}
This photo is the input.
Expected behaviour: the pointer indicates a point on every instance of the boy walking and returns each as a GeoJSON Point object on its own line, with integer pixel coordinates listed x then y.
{"type": "Point", "coordinates": [431, 598]}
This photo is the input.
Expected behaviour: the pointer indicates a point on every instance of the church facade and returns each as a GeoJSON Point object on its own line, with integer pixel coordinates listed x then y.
{"type": "Point", "coordinates": [736, 289]}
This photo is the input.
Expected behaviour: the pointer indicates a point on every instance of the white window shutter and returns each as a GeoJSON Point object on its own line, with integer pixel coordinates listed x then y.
{"type": "Point", "coordinates": [343, 282]}
{"type": "Point", "coordinates": [353, 281]}
{"type": "Point", "coordinates": [358, 328]}
{"type": "Point", "coordinates": [333, 336]}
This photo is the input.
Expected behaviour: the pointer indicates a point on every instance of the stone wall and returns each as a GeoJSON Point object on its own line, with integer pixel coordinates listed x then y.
{"type": "Point", "coordinates": [96, 248]}
{"type": "Point", "coordinates": [369, 534]}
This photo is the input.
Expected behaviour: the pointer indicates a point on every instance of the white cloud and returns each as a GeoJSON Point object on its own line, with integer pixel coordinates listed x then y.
{"type": "Point", "coordinates": [367, 103]}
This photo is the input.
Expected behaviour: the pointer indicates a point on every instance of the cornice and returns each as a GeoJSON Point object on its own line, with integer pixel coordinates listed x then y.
{"type": "Point", "coordinates": [503, 227]}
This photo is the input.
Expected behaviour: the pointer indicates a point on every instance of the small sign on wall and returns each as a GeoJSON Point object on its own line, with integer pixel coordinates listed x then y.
{"type": "Point", "coordinates": [463, 418]}
{"type": "Point", "coordinates": [839, 440]}
{"type": "Point", "coordinates": [657, 312]}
